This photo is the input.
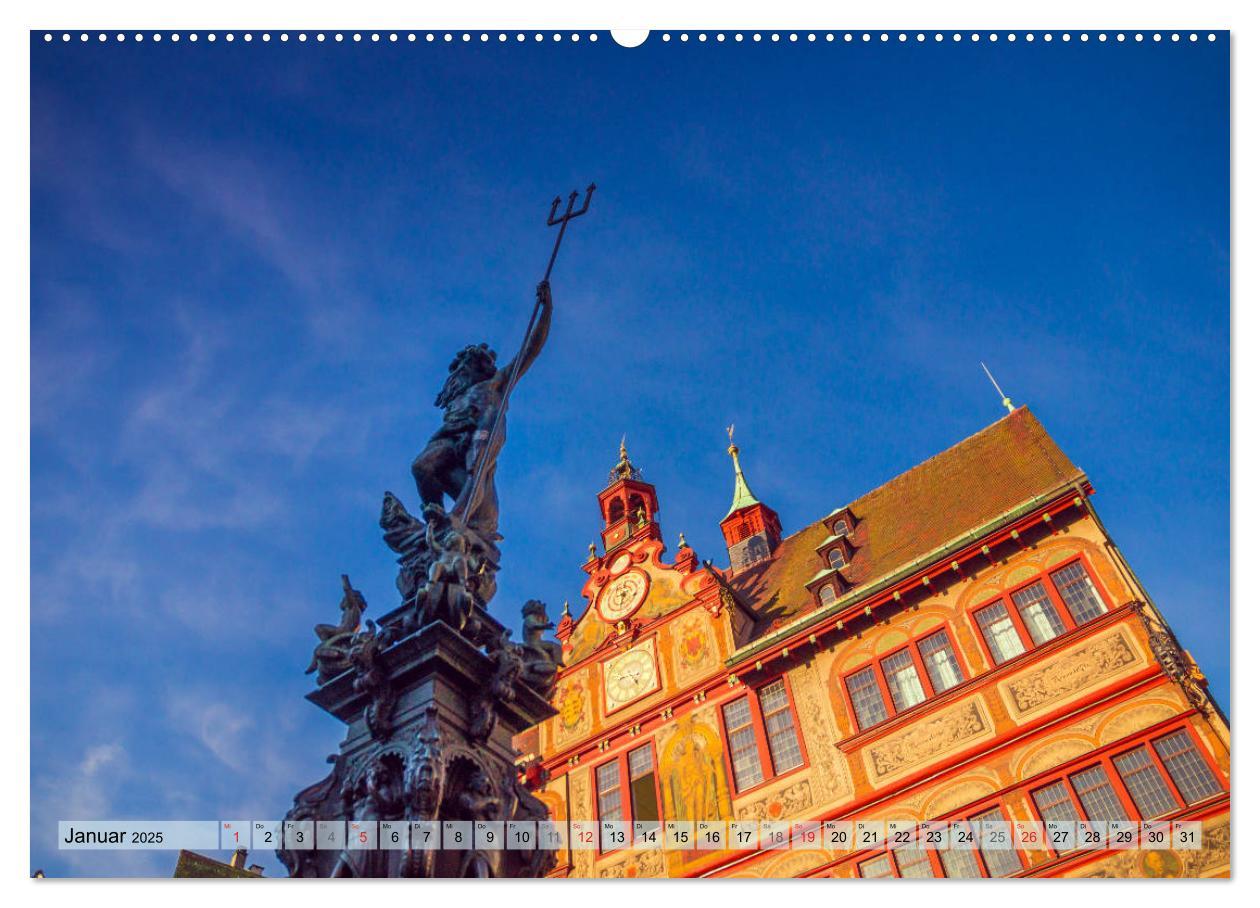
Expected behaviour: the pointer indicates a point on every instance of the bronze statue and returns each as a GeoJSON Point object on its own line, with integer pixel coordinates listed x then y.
{"type": "Point", "coordinates": [425, 762]}
{"type": "Point", "coordinates": [474, 401]}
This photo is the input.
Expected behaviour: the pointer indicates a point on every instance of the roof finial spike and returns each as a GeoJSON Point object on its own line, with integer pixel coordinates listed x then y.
{"type": "Point", "coordinates": [1006, 401]}
{"type": "Point", "coordinates": [624, 469]}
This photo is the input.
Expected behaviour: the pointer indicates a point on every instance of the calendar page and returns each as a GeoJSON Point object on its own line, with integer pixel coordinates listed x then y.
{"type": "Point", "coordinates": [562, 452]}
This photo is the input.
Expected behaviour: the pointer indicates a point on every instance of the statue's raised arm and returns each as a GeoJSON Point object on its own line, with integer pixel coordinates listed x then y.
{"type": "Point", "coordinates": [534, 341]}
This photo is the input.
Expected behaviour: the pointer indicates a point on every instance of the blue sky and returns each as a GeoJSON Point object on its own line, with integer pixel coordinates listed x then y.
{"type": "Point", "coordinates": [251, 265]}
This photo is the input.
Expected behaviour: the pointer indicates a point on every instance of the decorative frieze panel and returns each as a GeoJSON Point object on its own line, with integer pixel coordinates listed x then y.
{"type": "Point", "coordinates": [788, 801]}
{"type": "Point", "coordinates": [634, 865]}
{"type": "Point", "coordinates": [931, 738]}
{"type": "Point", "coordinates": [1063, 675]}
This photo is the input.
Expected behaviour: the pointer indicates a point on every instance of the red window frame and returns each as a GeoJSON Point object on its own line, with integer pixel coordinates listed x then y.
{"type": "Point", "coordinates": [1105, 760]}
{"type": "Point", "coordinates": [1056, 601]}
{"type": "Point", "coordinates": [622, 761]}
{"type": "Point", "coordinates": [925, 677]}
{"type": "Point", "coordinates": [753, 696]}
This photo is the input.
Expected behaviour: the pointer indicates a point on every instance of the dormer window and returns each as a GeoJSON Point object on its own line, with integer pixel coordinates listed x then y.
{"type": "Point", "coordinates": [836, 559]}
{"type": "Point", "coordinates": [827, 595]}
{"type": "Point", "coordinates": [841, 522]}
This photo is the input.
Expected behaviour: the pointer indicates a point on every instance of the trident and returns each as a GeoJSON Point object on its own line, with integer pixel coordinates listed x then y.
{"type": "Point", "coordinates": [563, 220]}
{"type": "Point", "coordinates": [552, 221]}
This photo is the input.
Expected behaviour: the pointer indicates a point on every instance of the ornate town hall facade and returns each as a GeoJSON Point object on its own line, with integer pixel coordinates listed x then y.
{"type": "Point", "coordinates": [965, 642]}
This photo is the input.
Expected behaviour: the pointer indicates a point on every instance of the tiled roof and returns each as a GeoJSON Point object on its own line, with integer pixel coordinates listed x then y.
{"type": "Point", "coordinates": [962, 488]}
{"type": "Point", "coordinates": [192, 864]}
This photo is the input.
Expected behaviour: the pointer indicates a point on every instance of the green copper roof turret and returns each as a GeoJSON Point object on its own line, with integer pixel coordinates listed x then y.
{"type": "Point", "coordinates": [743, 495]}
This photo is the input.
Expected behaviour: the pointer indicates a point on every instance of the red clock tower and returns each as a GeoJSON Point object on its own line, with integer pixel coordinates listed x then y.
{"type": "Point", "coordinates": [628, 504]}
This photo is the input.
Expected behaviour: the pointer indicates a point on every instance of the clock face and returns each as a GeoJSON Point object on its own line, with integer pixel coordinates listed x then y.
{"type": "Point", "coordinates": [630, 676]}
{"type": "Point", "coordinates": [625, 594]}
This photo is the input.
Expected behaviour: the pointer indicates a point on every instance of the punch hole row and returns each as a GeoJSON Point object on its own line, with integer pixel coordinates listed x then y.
{"type": "Point", "coordinates": [665, 37]}
{"type": "Point", "coordinates": [921, 37]}
{"type": "Point", "coordinates": [376, 37]}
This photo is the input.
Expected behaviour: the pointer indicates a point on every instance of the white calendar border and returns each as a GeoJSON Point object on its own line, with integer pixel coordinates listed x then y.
{"type": "Point", "coordinates": [782, 14]}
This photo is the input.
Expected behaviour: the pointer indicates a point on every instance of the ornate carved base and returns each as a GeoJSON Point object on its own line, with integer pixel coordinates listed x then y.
{"type": "Point", "coordinates": [429, 729]}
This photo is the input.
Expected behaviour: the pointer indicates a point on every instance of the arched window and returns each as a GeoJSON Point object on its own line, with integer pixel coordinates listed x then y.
{"type": "Point", "coordinates": [637, 510]}
{"type": "Point", "coordinates": [827, 594]}
{"type": "Point", "coordinates": [836, 558]}
{"type": "Point", "coordinates": [840, 528]}
{"type": "Point", "coordinates": [757, 550]}
{"type": "Point", "coordinates": [616, 510]}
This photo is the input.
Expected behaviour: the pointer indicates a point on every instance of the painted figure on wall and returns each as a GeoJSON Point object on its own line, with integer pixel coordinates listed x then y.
{"type": "Point", "coordinates": [695, 778]}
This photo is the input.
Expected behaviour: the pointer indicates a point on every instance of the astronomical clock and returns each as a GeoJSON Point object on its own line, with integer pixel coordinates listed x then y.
{"type": "Point", "coordinates": [622, 597]}
{"type": "Point", "coordinates": [631, 675]}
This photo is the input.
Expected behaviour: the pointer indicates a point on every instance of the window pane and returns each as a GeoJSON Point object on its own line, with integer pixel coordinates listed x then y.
{"type": "Point", "coordinates": [608, 781]}
{"type": "Point", "coordinates": [640, 761]}
{"type": "Point", "coordinates": [1054, 803]}
{"type": "Point", "coordinates": [998, 861]}
{"type": "Point", "coordinates": [836, 558]}
{"type": "Point", "coordinates": [959, 864]}
{"type": "Point", "coordinates": [876, 868]}
{"type": "Point", "coordinates": [643, 804]}
{"type": "Point", "coordinates": [1189, 771]}
{"type": "Point", "coordinates": [785, 749]}
{"type": "Point", "coordinates": [745, 760]}
{"type": "Point", "coordinates": [913, 863]}
{"type": "Point", "coordinates": [868, 705]}
{"type": "Point", "coordinates": [1097, 796]}
{"type": "Point", "coordinates": [999, 632]}
{"type": "Point", "coordinates": [1144, 783]}
{"type": "Point", "coordinates": [1078, 592]}
{"type": "Point", "coordinates": [938, 658]}
{"type": "Point", "coordinates": [1039, 614]}
{"type": "Point", "coordinates": [827, 594]}
{"type": "Point", "coordinates": [903, 680]}
{"type": "Point", "coordinates": [773, 697]}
